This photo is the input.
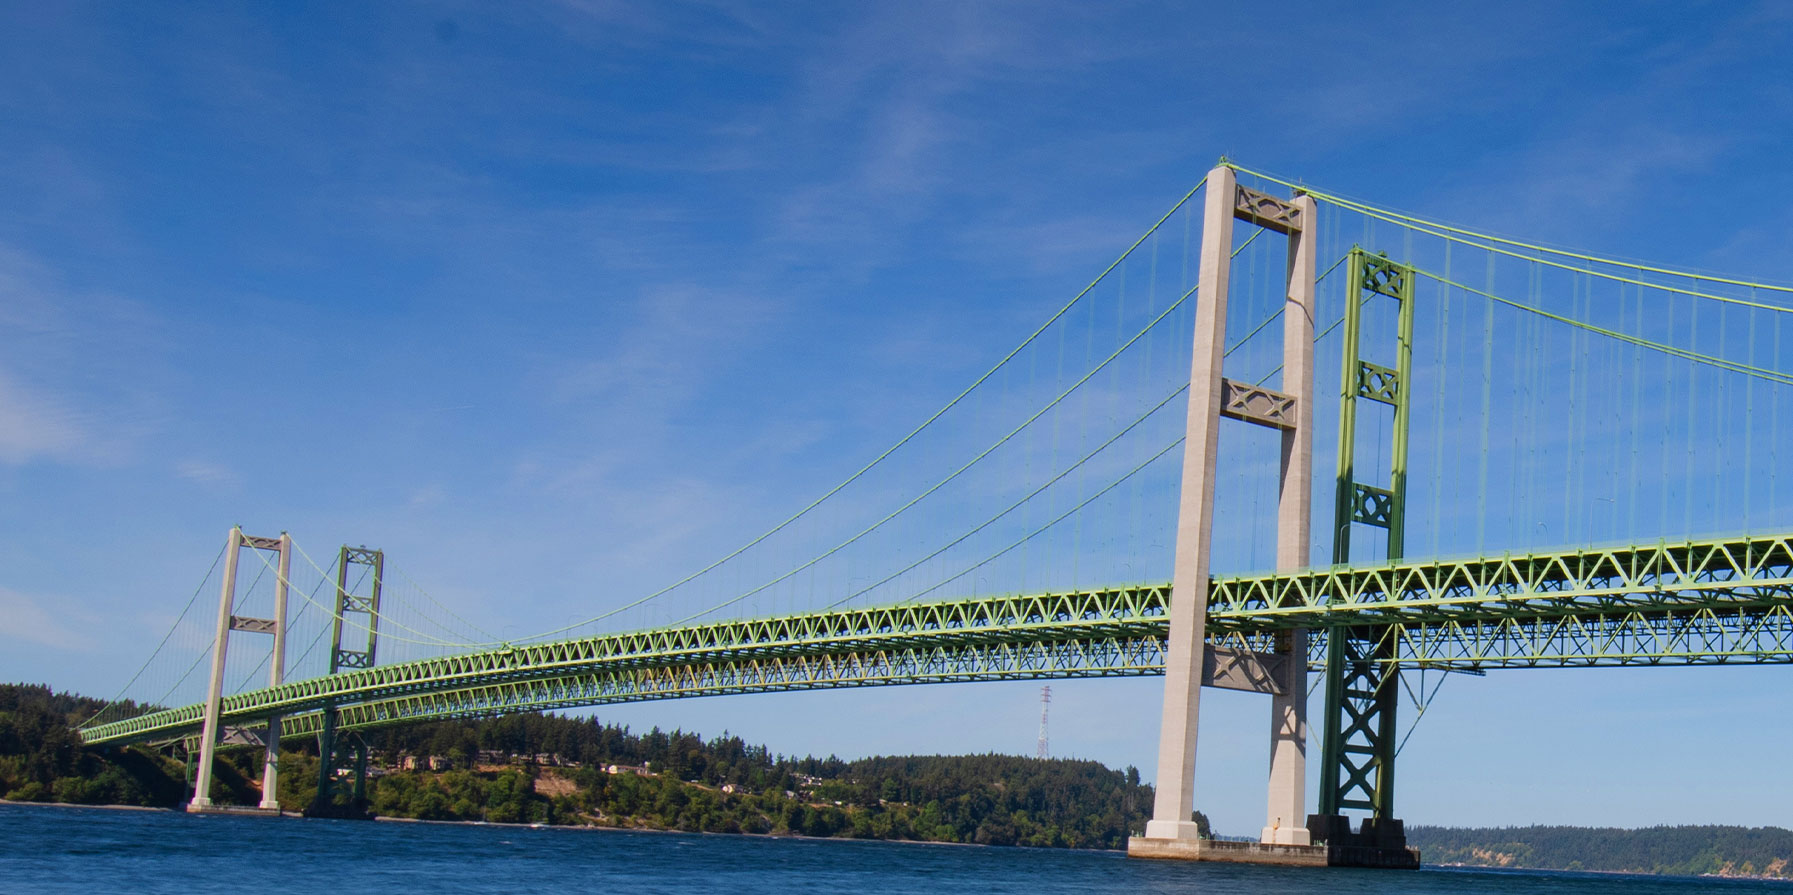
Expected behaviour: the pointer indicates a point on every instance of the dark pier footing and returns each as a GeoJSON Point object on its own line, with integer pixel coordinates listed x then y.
{"type": "Point", "coordinates": [1380, 844]}
{"type": "Point", "coordinates": [357, 811]}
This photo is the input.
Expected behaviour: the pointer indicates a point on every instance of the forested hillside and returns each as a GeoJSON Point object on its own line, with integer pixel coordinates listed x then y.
{"type": "Point", "coordinates": [1680, 851]}
{"type": "Point", "coordinates": [558, 770]}
{"type": "Point", "coordinates": [551, 769]}
{"type": "Point", "coordinates": [41, 759]}
{"type": "Point", "coordinates": [725, 785]}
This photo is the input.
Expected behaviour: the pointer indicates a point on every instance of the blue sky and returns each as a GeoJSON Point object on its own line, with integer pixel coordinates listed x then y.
{"type": "Point", "coordinates": [560, 301]}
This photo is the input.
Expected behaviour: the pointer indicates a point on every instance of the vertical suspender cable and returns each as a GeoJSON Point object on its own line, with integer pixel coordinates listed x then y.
{"type": "Point", "coordinates": [1481, 515]}
{"type": "Point", "coordinates": [1089, 354]}
{"type": "Point", "coordinates": [1057, 424]}
{"type": "Point", "coordinates": [1570, 487]}
{"type": "Point", "coordinates": [1721, 420]}
{"type": "Point", "coordinates": [1774, 428]}
{"type": "Point", "coordinates": [1693, 378]}
{"type": "Point", "coordinates": [1637, 393]}
{"type": "Point", "coordinates": [1033, 438]}
{"type": "Point", "coordinates": [1586, 418]}
{"type": "Point", "coordinates": [1440, 369]}
{"type": "Point", "coordinates": [1523, 437]}
{"type": "Point", "coordinates": [1749, 413]}
{"type": "Point", "coordinates": [1662, 452]}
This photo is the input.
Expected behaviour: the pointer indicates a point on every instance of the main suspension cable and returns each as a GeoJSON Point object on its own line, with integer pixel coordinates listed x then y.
{"type": "Point", "coordinates": [1462, 237]}
{"type": "Point", "coordinates": [900, 442]}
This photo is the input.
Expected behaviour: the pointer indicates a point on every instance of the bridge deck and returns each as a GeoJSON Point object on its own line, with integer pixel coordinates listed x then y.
{"type": "Point", "coordinates": [1698, 602]}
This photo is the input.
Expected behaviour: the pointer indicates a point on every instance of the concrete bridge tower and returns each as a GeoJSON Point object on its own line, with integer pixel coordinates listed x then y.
{"type": "Point", "coordinates": [1190, 663]}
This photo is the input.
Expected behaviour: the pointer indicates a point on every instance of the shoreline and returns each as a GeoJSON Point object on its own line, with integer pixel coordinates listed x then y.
{"type": "Point", "coordinates": [1642, 874]}
{"type": "Point", "coordinates": [602, 828]}
{"type": "Point", "coordinates": [79, 805]}
{"type": "Point", "coordinates": [592, 828]}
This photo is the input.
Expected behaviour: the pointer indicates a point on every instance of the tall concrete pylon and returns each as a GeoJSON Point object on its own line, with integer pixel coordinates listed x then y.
{"type": "Point", "coordinates": [1189, 663]}
{"type": "Point", "coordinates": [1286, 819]}
{"type": "Point", "coordinates": [212, 730]}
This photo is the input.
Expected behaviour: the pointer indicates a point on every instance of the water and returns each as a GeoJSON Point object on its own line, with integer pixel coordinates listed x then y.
{"type": "Point", "coordinates": [60, 849]}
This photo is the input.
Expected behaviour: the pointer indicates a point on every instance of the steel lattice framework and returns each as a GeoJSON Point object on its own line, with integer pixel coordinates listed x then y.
{"type": "Point", "coordinates": [1724, 601]}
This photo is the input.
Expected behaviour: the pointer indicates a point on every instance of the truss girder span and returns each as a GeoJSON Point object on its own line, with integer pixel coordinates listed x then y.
{"type": "Point", "coordinates": [1704, 637]}
{"type": "Point", "coordinates": [1594, 581]}
{"type": "Point", "coordinates": [938, 665]}
{"type": "Point", "coordinates": [1751, 635]}
{"type": "Point", "coordinates": [1086, 617]}
{"type": "Point", "coordinates": [1710, 602]}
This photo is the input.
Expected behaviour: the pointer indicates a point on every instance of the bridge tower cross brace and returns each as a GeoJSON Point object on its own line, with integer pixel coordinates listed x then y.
{"type": "Point", "coordinates": [1188, 663]}
{"type": "Point", "coordinates": [227, 622]}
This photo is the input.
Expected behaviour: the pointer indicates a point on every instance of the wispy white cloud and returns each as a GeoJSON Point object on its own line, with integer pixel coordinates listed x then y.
{"type": "Point", "coordinates": [660, 359]}
{"type": "Point", "coordinates": [428, 496]}
{"type": "Point", "coordinates": [28, 621]}
{"type": "Point", "coordinates": [76, 387]}
{"type": "Point", "coordinates": [1052, 245]}
{"type": "Point", "coordinates": [36, 426]}
{"type": "Point", "coordinates": [1563, 187]}
{"type": "Point", "coordinates": [212, 474]}
{"type": "Point", "coordinates": [909, 79]}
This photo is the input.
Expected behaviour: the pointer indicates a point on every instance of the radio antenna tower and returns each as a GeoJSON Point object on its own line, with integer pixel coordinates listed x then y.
{"type": "Point", "coordinates": [1045, 704]}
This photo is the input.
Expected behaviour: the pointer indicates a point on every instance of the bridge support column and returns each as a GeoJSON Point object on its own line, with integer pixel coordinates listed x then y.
{"type": "Point", "coordinates": [1285, 820]}
{"type": "Point", "coordinates": [212, 730]}
{"type": "Point", "coordinates": [334, 750]}
{"type": "Point", "coordinates": [270, 774]}
{"type": "Point", "coordinates": [208, 734]}
{"type": "Point", "coordinates": [1172, 832]}
{"type": "Point", "coordinates": [1362, 680]}
{"type": "Point", "coordinates": [1173, 807]}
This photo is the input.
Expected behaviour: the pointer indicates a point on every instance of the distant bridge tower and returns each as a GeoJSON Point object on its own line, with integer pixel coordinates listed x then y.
{"type": "Point", "coordinates": [1045, 704]}
{"type": "Point", "coordinates": [336, 752]}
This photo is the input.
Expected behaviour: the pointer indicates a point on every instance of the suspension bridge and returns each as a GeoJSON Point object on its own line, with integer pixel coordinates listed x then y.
{"type": "Point", "coordinates": [1544, 459]}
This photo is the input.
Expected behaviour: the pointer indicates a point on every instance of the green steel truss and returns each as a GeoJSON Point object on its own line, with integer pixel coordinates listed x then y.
{"type": "Point", "coordinates": [1362, 684]}
{"type": "Point", "coordinates": [1725, 601]}
{"type": "Point", "coordinates": [1701, 636]}
{"type": "Point", "coordinates": [1726, 573]}
{"type": "Point", "coordinates": [1081, 617]}
{"type": "Point", "coordinates": [940, 664]}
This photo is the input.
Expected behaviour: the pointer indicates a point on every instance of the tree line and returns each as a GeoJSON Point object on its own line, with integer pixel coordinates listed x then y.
{"type": "Point", "coordinates": [551, 769]}
{"type": "Point", "coordinates": [1677, 850]}
{"type": "Point", "coordinates": [726, 785]}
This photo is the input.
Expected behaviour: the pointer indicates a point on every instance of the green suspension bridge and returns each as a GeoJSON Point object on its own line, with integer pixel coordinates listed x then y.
{"type": "Point", "coordinates": [1529, 474]}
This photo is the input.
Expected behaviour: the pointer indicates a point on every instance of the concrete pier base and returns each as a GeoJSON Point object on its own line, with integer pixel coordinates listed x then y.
{"type": "Point", "coordinates": [1223, 850]}
{"type": "Point", "coordinates": [238, 810]}
{"type": "Point", "coordinates": [1266, 853]}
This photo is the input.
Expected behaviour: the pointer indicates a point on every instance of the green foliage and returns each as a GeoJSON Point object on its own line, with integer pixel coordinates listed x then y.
{"type": "Point", "coordinates": [43, 760]}
{"type": "Point", "coordinates": [986, 799]}
{"type": "Point", "coordinates": [1678, 851]}
{"type": "Point", "coordinates": [720, 785]}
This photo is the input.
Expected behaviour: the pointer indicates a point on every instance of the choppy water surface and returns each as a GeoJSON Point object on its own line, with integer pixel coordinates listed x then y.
{"type": "Point", "coordinates": [58, 849]}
